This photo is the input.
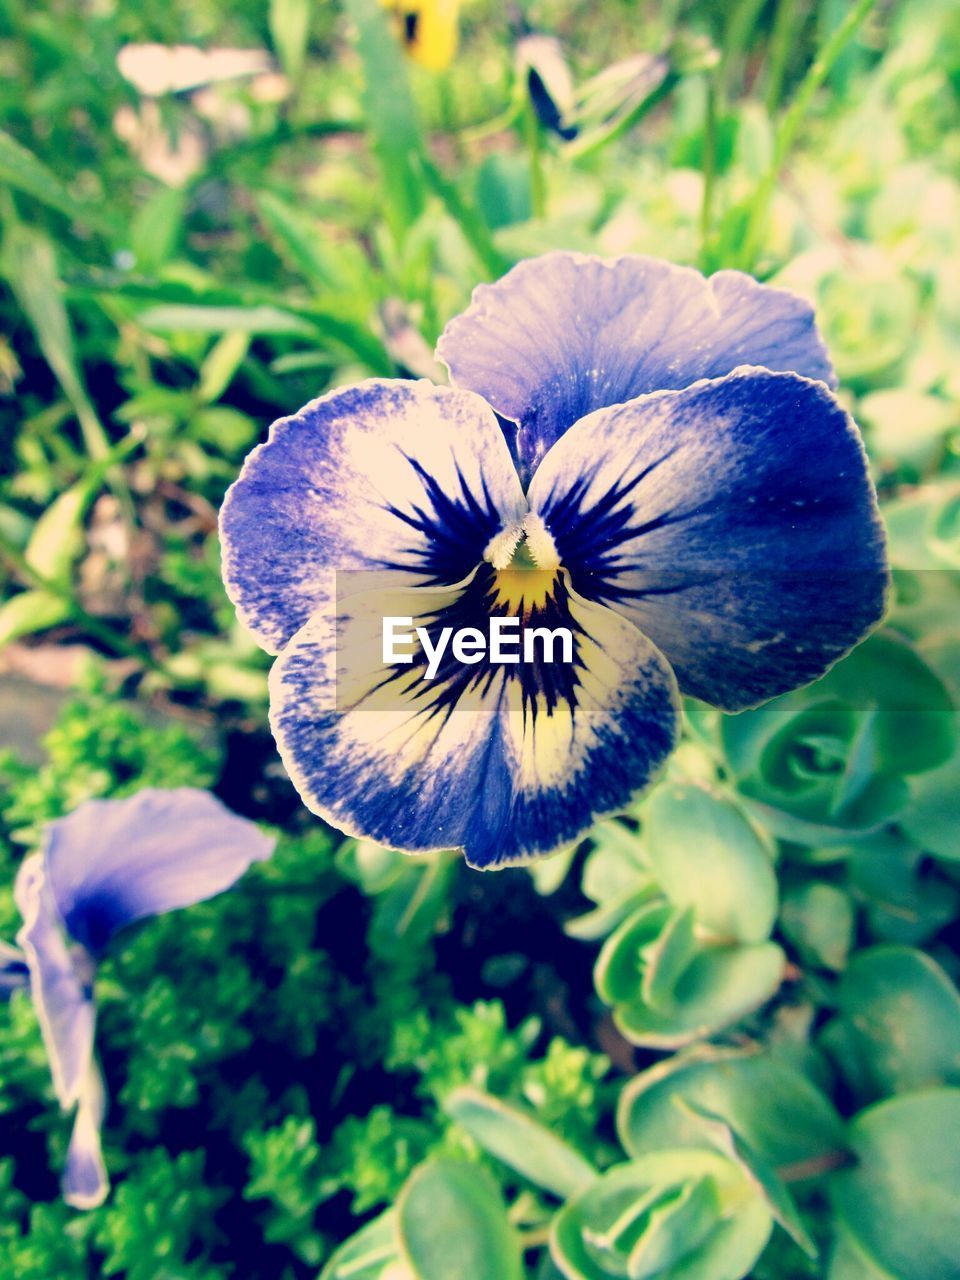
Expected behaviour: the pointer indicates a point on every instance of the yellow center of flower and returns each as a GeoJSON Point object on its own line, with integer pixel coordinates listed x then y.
{"type": "Point", "coordinates": [525, 564]}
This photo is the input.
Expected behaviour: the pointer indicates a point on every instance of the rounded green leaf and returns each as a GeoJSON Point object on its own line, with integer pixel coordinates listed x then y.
{"type": "Point", "coordinates": [619, 968]}
{"type": "Point", "coordinates": [933, 818]}
{"type": "Point", "coordinates": [914, 725]}
{"type": "Point", "coordinates": [818, 919]}
{"type": "Point", "coordinates": [656, 1206]}
{"type": "Point", "coordinates": [900, 1015]}
{"type": "Point", "coordinates": [900, 1204]}
{"type": "Point", "coordinates": [30, 611]}
{"type": "Point", "coordinates": [450, 1219]}
{"type": "Point", "coordinates": [784, 1117]}
{"type": "Point", "coordinates": [848, 1263]}
{"type": "Point", "coordinates": [520, 1141]}
{"type": "Point", "coordinates": [705, 855]}
{"type": "Point", "coordinates": [720, 986]}
{"type": "Point", "coordinates": [906, 901]}
{"type": "Point", "coordinates": [370, 1254]}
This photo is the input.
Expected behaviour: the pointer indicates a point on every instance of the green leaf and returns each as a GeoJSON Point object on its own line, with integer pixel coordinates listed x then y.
{"type": "Point", "coordinates": [777, 1110]}
{"type": "Point", "coordinates": [666, 958]}
{"type": "Point", "coordinates": [20, 169]}
{"type": "Point", "coordinates": [57, 539]}
{"type": "Point", "coordinates": [906, 900]}
{"type": "Point", "coordinates": [818, 919]}
{"type": "Point", "coordinates": [848, 1263]}
{"type": "Point", "coordinates": [719, 988]}
{"type": "Point", "coordinates": [915, 727]}
{"type": "Point", "coordinates": [368, 1254]}
{"type": "Point", "coordinates": [289, 32]}
{"type": "Point", "coordinates": [616, 875]}
{"type": "Point", "coordinates": [372, 866]}
{"type": "Point", "coordinates": [191, 318]}
{"type": "Point", "coordinates": [407, 913]}
{"type": "Point", "coordinates": [468, 218]}
{"type": "Point", "coordinates": [592, 1236]}
{"type": "Point", "coordinates": [520, 1141]}
{"type": "Point", "coordinates": [228, 430]}
{"type": "Point", "coordinates": [28, 612]}
{"type": "Point", "coordinates": [675, 1230]}
{"type": "Point", "coordinates": [390, 115]}
{"type": "Point", "coordinates": [900, 1204]}
{"type": "Point", "coordinates": [451, 1210]}
{"type": "Point", "coordinates": [933, 818]}
{"type": "Point", "coordinates": [157, 228]}
{"type": "Point", "coordinates": [265, 318]}
{"type": "Point", "coordinates": [901, 1016]}
{"type": "Point", "coordinates": [907, 426]}
{"type": "Point", "coordinates": [705, 855]}
{"type": "Point", "coordinates": [300, 240]}
{"type": "Point", "coordinates": [775, 1194]}
{"type": "Point", "coordinates": [221, 364]}
{"type": "Point", "coordinates": [29, 264]}
{"type": "Point", "coordinates": [619, 968]}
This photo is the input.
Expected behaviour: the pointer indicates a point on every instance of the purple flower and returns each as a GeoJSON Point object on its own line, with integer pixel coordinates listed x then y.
{"type": "Point", "coordinates": [103, 867]}
{"type": "Point", "coordinates": [651, 460]}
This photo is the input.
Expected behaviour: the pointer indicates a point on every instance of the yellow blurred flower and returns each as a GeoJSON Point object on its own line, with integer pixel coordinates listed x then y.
{"type": "Point", "coordinates": [428, 29]}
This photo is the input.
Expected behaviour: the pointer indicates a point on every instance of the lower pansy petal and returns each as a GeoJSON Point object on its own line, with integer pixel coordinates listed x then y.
{"type": "Point", "coordinates": [112, 862]}
{"type": "Point", "coordinates": [85, 1183]}
{"type": "Point", "coordinates": [60, 988]}
{"type": "Point", "coordinates": [399, 476]}
{"type": "Point", "coordinates": [564, 334]}
{"type": "Point", "coordinates": [507, 761]}
{"type": "Point", "coordinates": [734, 523]}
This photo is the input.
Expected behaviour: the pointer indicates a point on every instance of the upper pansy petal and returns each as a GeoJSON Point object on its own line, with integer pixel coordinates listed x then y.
{"type": "Point", "coordinates": [60, 989]}
{"type": "Point", "coordinates": [111, 862]}
{"type": "Point", "coordinates": [403, 476]}
{"type": "Point", "coordinates": [564, 334]}
{"type": "Point", "coordinates": [506, 762]}
{"type": "Point", "coordinates": [734, 523]}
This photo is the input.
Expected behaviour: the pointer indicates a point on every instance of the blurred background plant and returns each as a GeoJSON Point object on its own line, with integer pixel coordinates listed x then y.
{"type": "Point", "coordinates": [722, 1036]}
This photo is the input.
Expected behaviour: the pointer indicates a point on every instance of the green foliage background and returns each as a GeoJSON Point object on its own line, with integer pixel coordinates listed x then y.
{"type": "Point", "coordinates": [737, 1002]}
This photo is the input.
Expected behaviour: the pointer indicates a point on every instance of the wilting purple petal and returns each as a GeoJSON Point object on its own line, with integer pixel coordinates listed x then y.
{"type": "Point", "coordinates": [85, 1183]}
{"type": "Point", "coordinates": [60, 988]}
{"type": "Point", "coordinates": [14, 973]}
{"type": "Point", "coordinates": [112, 862]}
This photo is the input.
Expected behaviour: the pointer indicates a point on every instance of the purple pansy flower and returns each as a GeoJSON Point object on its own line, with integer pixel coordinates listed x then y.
{"type": "Point", "coordinates": [105, 866]}
{"type": "Point", "coordinates": [651, 459]}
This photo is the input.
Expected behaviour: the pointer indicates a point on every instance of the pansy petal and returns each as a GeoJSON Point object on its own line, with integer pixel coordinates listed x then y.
{"type": "Point", "coordinates": [564, 334]}
{"type": "Point", "coordinates": [506, 762]}
{"type": "Point", "coordinates": [111, 862]}
{"type": "Point", "coordinates": [734, 523]}
{"type": "Point", "coordinates": [14, 973]}
{"type": "Point", "coordinates": [387, 475]}
{"type": "Point", "coordinates": [60, 989]}
{"type": "Point", "coordinates": [85, 1183]}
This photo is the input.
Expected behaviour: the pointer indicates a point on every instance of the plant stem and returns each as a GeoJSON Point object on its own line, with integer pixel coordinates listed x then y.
{"type": "Point", "coordinates": [538, 185]}
{"type": "Point", "coordinates": [709, 168]}
{"type": "Point", "coordinates": [742, 20]}
{"type": "Point", "coordinates": [816, 1166]}
{"type": "Point", "coordinates": [789, 127]}
{"type": "Point", "coordinates": [781, 43]}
